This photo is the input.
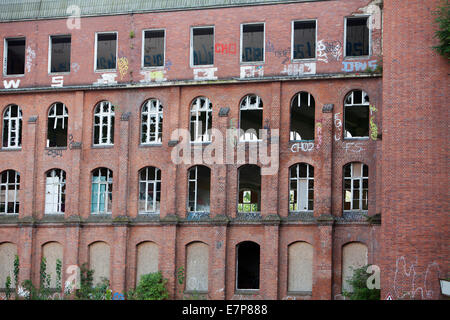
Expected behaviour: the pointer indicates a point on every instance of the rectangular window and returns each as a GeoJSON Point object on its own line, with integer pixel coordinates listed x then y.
{"type": "Point", "coordinates": [357, 37]}
{"type": "Point", "coordinates": [154, 44]}
{"type": "Point", "coordinates": [252, 42]}
{"type": "Point", "coordinates": [60, 53]}
{"type": "Point", "coordinates": [106, 51]}
{"type": "Point", "coordinates": [202, 46]}
{"type": "Point", "coordinates": [14, 56]}
{"type": "Point", "coordinates": [304, 40]}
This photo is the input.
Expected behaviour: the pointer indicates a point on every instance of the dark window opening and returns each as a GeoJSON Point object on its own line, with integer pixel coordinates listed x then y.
{"type": "Point", "coordinates": [304, 39]}
{"type": "Point", "coordinates": [249, 188]}
{"type": "Point", "coordinates": [248, 256]}
{"type": "Point", "coordinates": [253, 43]}
{"type": "Point", "coordinates": [57, 126]}
{"type": "Point", "coordinates": [251, 118]}
{"type": "Point", "coordinates": [357, 40]}
{"type": "Point", "coordinates": [15, 56]}
{"type": "Point", "coordinates": [302, 117]}
{"type": "Point", "coordinates": [106, 51]}
{"type": "Point", "coordinates": [356, 115]}
{"type": "Point", "coordinates": [203, 46]}
{"type": "Point", "coordinates": [154, 48]}
{"type": "Point", "coordinates": [60, 54]}
{"type": "Point", "coordinates": [199, 180]}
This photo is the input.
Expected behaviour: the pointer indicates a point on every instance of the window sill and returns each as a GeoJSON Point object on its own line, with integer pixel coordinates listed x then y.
{"type": "Point", "coordinates": [202, 66]}
{"type": "Point", "coordinates": [11, 149]}
{"type": "Point", "coordinates": [245, 141]}
{"type": "Point", "coordinates": [157, 68]}
{"type": "Point", "coordinates": [147, 145]}
{"type": "Point", "coordinates": [357, 57]}
{"type": "Point", "coordinates": [297, 141]}
{"type": "Point", "coordinates": [252, 63]}
{"type": "Point", "coordinates": [103, 146]}
{"type": "Point", "coordinates": [56, 148]}
{"type": "Point", "coordinates": [357, 138]}
{"type": "Point", "coordinates": [246, 291]}
{"type": "Point", "coordinates": [106, 71]}
{"type": "Point", "coordinates": [195, 292]}
{"type": "Point", "coordinates": [59, 73]}
{"type": "Point", "coordinates": [304, 60]}
{"type": "Point", "coordinates": [13, 75]}
{"type": "Point", "coordinates": [299, 293]}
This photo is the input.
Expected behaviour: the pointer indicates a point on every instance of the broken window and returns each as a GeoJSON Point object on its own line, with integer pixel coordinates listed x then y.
{"type": "Point", "coordinates": [249, 188]}
{"type": "Point", "coordinates": [104, 123]}
{"type": "Point", "coordinates": [55, 192]}
{"type": "Point", "coordinates": [152, 122]}
{"type": "Point", "coordinates": [247, 265]}
{"type": "Point", "coordinates": [304, 46]}
{"type": "Point", "coordinates": [301, 187]}
{"type": "Point", "coordinates": [197, 263]}
{"type": "Point", "coordinates": [15, 56]}
{"type": "Point", "coordinates": [154, 43]}
{"type": "Point", "coordinates": [356, 115]}
{"type": "Point", "coordinates": [354, 256]}
{"type": "Point", "coordinates": [300, 268]}
{"type": "Point", "coordinates": [57, 125]}
{"type": "Point", "coordinates": [101, 195]}
{"type": "Point", "coordinates": [199, 185]}
{"type": "Point", "coordinates": [302, 117]}
{"type": "Point", "coordinates": [60, 53]}
{"type": "Point", "coordinates": [252, 42]}
{"type": "Point", "coordinates": [356, 187]}
{"type": "Point", "coordinates": [357, 37]}
{"type": "Point", "coordinates": [251, 118]}
{"type": "Point", "coordinates": [12, 127]}
{"type": "Point", "coordinates": [202, 46]}
{"type": "Point", "coordinates": [9, 192]}
{"type": "Point", "coordinates": [149, 190]}
{"type": "Point", "coordinates": [106, 51]}
{"type": "Point", "coordinates": [201, 120]}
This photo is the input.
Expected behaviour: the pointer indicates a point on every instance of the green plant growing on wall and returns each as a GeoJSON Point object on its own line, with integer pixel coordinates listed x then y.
{"type": "Point", "coordinates": [443, 32]}
{"type": "Point", "coordinates": [58, 275]}
{"type": "Point", "coordinates": [359, 284]}
{"type": "Point", "coordinates": [152, 286]}
{"type": "Point", "coordinates": [16, 271]}
{"type": "Point", "coordinates": [8, 289]}
{"type": "Point", "coordinates": [132, 34]}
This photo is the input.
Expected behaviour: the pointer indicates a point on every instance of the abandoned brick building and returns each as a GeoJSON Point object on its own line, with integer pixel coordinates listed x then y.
{"type": "Point", "coordinates": [352, 106]}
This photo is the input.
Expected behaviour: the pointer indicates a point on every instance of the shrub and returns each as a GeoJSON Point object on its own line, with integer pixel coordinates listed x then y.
{"type": "Point", "coordinates": [359, 284]}
{"type": "Point", "coordinates": [152, 286]}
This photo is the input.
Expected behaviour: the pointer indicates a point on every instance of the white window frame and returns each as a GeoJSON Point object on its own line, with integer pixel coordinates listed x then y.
{"type": "Point", "coordinates": [292, 41]}
{"type": "Point", "coordinates": [16, 190]}
{"type": "Point", "coordinates": [158, 113]}
{"type": "Point", "coordinates": [241, 43]}
{"type": "Point", "coordinates": [361, 180]}
{"type": "Point", "coordinates": [60, 190]}
{"type": "Point", "coordinates": [297, 179]}
{"type": "Point", "coordinates": [109, 181]}
{"type": "Point", "coordinates": [95, 51]}
{"type": "Point", "coordinates": [355, 105]}
{"type": "Point", "coordinates": [148, 182]}
{"type": "Point", "coordinates": [143, 50]}
{"type": "Point", "coordinates": [50, 53]}
{"type": "Point", "coordinates": [370, 36]}
{"type": "Point", "coordinates": [247, 107]}
{"type": "Point", "coordinates": [110, 115]}
{"type": "Point", "coordinates": [5, 57]}
{"type": "Point", "coordinates": [195, 181]}
{"type": "Point", "coordinates": [64, 117]}
{"type": "Point", "coordinates": [196, 110]}
{"type": "Point", "coordinates": [18, 130]}
{"type": "Point", "coordinates": [191, 45]}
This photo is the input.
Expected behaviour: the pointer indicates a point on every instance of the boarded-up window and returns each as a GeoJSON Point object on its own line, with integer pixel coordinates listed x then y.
{"type": "Point", "coordinates": [99, 256]}
{"type": "Point", "coordinates": [357, 40]}
{"type": "Point", "coordinates": [106, 51]}
{"type": "Point", "coordinates": [147, 259]}
{"type": "Point", "coordinates": [154, 48]}
{"type": "Point", "coordinates": [304, 39]}
{"type": "Point", "coordinates": [202, 46]}
{"type": "Point", "coordinates": [8, 252]}
{"type": "Point", "coordinates": [60, 53]}
{"type": "Point", "coordinates": [300, 267]}
{"type": "Point", "coordinates": [354, 255]}
{"type": "Point", "coordinates": [253, 42]}
{"type": "Point", "coordinates": [52, 251]}
{"type": "Point", "coordinates": [197, 259]}
{"type": "Point", "coordinates": [15, 56]}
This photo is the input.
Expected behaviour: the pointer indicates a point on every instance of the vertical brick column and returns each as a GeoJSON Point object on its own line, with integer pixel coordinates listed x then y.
{"type": "Point", "coordinates": [120, 179]}
{"type": "Point", "coordinates": [269, 253]}
{"type": "Point", "coordinates": [25, 251]}
{"type": "Point", "coordinates": [219, 258]}
{"type": "Point", "coordinates": [168, 252]}
{"type": "Point", "coordinates": [323, 264]}
{"type": "Point", "coordinates": [27, 178]}
{"type": "Point", "coordinates": [71, 246]}
{"type": "Point", "coordinates": [324, 138]}
{"type": "Point", "coordinates": [119, 258]}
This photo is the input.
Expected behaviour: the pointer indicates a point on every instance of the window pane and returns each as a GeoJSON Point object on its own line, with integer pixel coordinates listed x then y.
{"type": "Point", "coordinates": [60, 55]}
{"type": "Point", "coordinates": [15, 56]}
{"type": "Point", "coordinates": [154, 48]}
{"type": "Point", "coordinates": [253, 42]}
{"type": "Point", "coordinates": [203, 46]}
{"type": "Point", "coordinates": [357, 42]}
{"type": "Point", "coordinates": [106, 51]}
{"type": "Point", "coordinates": [304, 39]}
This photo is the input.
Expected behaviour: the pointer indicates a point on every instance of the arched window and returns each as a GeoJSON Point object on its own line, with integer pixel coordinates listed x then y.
{"type": "Point", "coordinates": [152, 122]}
{"type": "Point", "coordinates": [9, 192]}
{"type": "Point", "coordinates": [302, 117]}
{"type": "Point", "coordinates": [251, 118]}
{"type": "Point", "coordinates": [197, 263]}
{"type": "Point", "coordinates": [52, 252]}
{"type": "Point", "coordinates": [99, 261]}
{"type": "Point", "coordinates": [201, 120]}
{"type": "Point", "coordinates": [199, 189]}
{"type": "Point", "coordinates": [104, 123]}
{"type": "Point", "coordinates": [57, 125]}
{"type": "Point", "coordinates": [300, 267]}
{"type": "Point", "coordinates": [247, 265]}
{"type": "Point", "coordinates": [356, 115]}
{"type": "Point", "coordinates": [147, 259]}
{"type": "Point", "coordinates": [8, 252]}
{"type": "Point", "coordinates": [301, 187]}
{"type": "Point", "coordinates": [12, 127]}
{"type": "Point", "coordinates": [356, 187]}
{"type": "Point", "coordinates": [149, 190]}
{"type": "Point", "coordinates": [55, 191]}
{"type": "Point", "coordinates": [101, 195]}
{"type": "Point", "coordinates": [354, 256]}
{"type": "Point", "coordinates": [249, 188]}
